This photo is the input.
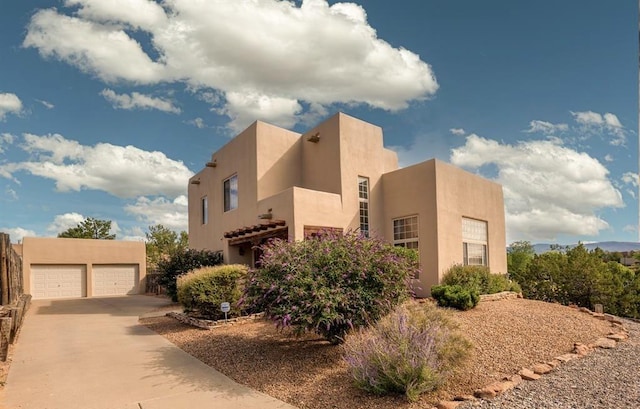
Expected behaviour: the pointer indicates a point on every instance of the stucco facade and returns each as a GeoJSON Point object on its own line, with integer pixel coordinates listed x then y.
{"type": "Point", "coordinates": [70, 268]}
{"type": "Point", "coordinates": [271, 182]}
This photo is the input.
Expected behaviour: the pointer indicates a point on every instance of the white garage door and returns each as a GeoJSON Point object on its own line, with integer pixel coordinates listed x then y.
{"type": "Point", "coordinates": [115, 279]}
{"type": "Point", "coordinates": [58, 281]}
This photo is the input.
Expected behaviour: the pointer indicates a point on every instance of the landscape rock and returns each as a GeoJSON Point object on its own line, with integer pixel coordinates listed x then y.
{"type": "Point", "coordinates": [581, 349]}
{"type": "Point", "coordinates": [618, 337]}
{"type": "Point", "coordinates": [528, 375]}
{"type": "Point", "coordinates": [446, 404]}
{"type": "Point", "coordinates": [464, 398]}
{"type": "Point", "coordinates": [567, 357]}
{"type": "Point", "coordinates": [605, 343]}
{"type": "Point", "coordinates": [541, 369]}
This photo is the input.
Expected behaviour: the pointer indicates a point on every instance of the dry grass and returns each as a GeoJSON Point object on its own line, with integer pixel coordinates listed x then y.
{"type": "Point", "coordinates": [309, 372]}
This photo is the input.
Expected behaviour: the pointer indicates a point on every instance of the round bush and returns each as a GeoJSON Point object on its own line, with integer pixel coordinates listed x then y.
{"type": "Point", "coordinates": [455, 296]}
{"type": "Point", "coordinates": [410, 351]}
{"type": "Point", "coordinates": [181, 262]}
{"type": "Point", "coordinates": [479, 279]}
{"type": "Point", "coordinates": [328, 284]}
{"type": "Point", "coordinates": [203, 290]}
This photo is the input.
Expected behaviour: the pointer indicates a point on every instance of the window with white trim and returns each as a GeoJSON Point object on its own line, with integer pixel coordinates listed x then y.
{"type": "Point", "coordinates": [474, 242]}
{"type": "Point", "coordinates": [231, 193]}
{"type": "Point", "coordinates": [204, 208]}
{"type": "Point", "coordinates": [363, 199]}
{"type": "Point", "coordinates": [405, 232]}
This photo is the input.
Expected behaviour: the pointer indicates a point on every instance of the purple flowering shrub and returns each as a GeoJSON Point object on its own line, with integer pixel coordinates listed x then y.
{"type": "Point", "coordinates": [328, 284]}
{"type": "Point", "coordinates": [410, 351]}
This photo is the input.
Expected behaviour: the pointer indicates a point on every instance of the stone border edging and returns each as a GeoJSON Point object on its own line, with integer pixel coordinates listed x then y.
{"type": "Point", "coordinates": [209, 324]}
{"type": "Point", "coordinates": [618, 333]}
{"type": "Point", "coordinates": [504, 295]}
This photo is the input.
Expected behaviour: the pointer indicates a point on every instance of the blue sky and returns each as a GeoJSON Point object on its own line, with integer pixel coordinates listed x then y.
{"type": "Point", "coordinates": [108, 107]}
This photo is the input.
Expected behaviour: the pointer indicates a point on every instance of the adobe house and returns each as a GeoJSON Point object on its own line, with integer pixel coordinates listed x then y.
{"type": "Point", "coordinates": [271, 182]}
{"type": "Point", "coordinates": [76, 268]}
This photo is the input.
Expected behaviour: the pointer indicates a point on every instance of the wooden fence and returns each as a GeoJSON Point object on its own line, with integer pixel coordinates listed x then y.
{"type": "Point", "coordinates": [11, 283]}
{"type": "Point", "coordinates": [14, 302]}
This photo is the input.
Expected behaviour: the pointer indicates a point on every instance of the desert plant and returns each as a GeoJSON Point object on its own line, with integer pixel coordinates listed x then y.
{"type": "Point", "coordinates": [181, 262]}
{"type": "Point", "coordinates": [455, 296]}
{"type": "Point", "coordinates": [201, 291]}
{"type": "Point", "coordinates": [479, 279]}
{"type": "Point", "coordinates": [410, 351]}
{"type": "Point", "coordinates": [328, 284]}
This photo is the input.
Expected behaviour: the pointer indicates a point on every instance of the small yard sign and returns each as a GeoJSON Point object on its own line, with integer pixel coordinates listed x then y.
{"type": "Point", "coordinates": [225, 307]}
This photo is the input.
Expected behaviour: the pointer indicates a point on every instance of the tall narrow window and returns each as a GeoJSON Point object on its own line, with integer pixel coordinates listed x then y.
{"type": "Point", "coordinates": [363, 198]}
{"type": "Point", "coordinates": [474, 242]}
{"type": "Point", "coordinates": [231, 193]}
{"type": "Point", "coordinates": [205, 210]}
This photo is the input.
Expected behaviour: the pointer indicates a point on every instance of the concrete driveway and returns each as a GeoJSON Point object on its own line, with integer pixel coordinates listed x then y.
{"type": "Point", "coordinates": [92, 354]}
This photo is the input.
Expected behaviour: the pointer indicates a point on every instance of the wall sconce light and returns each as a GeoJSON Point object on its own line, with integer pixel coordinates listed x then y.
{"type": "Point", "coordinates": [212, 164]}
{"type": "Point", "coordinates": [266, 216]}
{"type": "Point", "coordinates": [315, 138]}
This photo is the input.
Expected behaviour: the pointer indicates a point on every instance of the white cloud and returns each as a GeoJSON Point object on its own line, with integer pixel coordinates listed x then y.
{"type": "Point", "coordinates": [546, 128]}
{"type": "Point", "coordinates": [630, 178]}
{"type": "Point", "coordinates": [102, 49]}
{"type": "Point", "coordinates": [138, 101]}
{"type": "Point", "coordinates": [608, 157]}
{"type": "Point", "coordinates": [457, 131]}
{"type": "Point", "coordinates": [197, 122]}
{"type": "Point", "coordinates": [630, 228]}
{"type": "Point", "coordinates": [594, 123]}
{"type": "Point", "coordinates": [5, 139]}
{"type": "Point", "coordinates": [172, 214]}
{"type": "Point", "coordinates": [10, 194]}
{"type": "Point", "coordinates": [549, 189]}
{"type": "Point", "coordinates": [291, 57]}
{"type": "Point", "coordinates": [243, 109]}
{"type": "Point", "coordinates": [63, 222]}
{"type": "Point", "coordinates": [16, 234]}
{"type": "Point", "coordinates": [123, 171]}
{"type": "Point", "coordinates": [46, 104]}
{"type": "Point", "coordinates": [9, 104]}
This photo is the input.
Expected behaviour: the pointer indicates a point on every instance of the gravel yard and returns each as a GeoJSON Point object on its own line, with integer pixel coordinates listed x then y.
{"type": "Point", "coordinates": [309, 373]}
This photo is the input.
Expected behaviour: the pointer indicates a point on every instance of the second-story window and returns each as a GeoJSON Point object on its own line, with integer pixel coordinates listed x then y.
{"type": "Point", "coordinates": [231, 193]}
{"type": "Point", "coordinates": [363, 198]}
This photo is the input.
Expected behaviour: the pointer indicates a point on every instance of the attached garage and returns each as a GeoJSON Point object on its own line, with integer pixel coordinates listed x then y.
{"type": "Point", "coordinates": [75, 268]}
{"type": "Point", "coordinates": [115, 280]}
{"type": "Point", "coordinates": [58, 281]}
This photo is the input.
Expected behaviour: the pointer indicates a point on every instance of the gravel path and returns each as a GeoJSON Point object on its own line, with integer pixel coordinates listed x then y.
{"type": "Point", "coordinates": [607, 378]}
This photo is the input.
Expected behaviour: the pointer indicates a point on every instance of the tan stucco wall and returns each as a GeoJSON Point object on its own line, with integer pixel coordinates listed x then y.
{"type": "Point", "coordinates": [441, 195]}
{"type": "Point", "coordinates": [411, 191]}
{"type": "Point", "coordinates": [87, 252]}
{"type": "Point", "coordinates": [464, 194]}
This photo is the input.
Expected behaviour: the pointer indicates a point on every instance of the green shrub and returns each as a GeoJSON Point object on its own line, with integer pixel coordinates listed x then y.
{"type": "Point", "coordinates": [455, 296]}
{"type": "Point", "coordinates": [328, 284]}
{"type": "Point", "coordinates": [410, 351]}
{"type": "Point", "coordinates": [202, 290]}
{"type": "Point", "coordinates": [181, 262]}
{"type": "Point", "coordinates": [479, 279]}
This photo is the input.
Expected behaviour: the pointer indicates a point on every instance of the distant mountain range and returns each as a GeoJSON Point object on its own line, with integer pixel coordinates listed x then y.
{"type": "Point", "coordinates": [604, 245]}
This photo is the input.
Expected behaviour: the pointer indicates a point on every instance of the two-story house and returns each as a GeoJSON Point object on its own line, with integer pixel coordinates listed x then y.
{"type": "Point", "coordinates": [270, 182]}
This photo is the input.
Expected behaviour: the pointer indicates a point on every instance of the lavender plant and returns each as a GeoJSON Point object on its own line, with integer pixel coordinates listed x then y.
{"type": "Point", "coordinates": [410, 351]}
{"type": "Point", "coordinates": [328, 284]}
